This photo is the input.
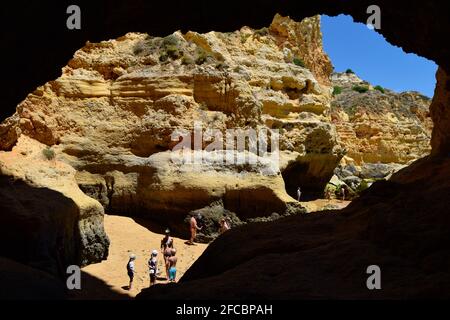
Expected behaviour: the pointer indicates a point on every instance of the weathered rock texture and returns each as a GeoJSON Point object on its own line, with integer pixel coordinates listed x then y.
{"type": "Point", "coordinates": [440, 113]}
{"type": "Point", "coordinates": [413, 25]}
{"type": "Point", "coordinates": [46, 221]}
{"type": "Point", "coordinates": [112, 112]}
{"type": "Point", "coordinates": [376, 126]}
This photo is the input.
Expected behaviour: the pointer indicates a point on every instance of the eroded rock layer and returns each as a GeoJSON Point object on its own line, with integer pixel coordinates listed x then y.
{"type": "Point", "coordinates": [375, 124]}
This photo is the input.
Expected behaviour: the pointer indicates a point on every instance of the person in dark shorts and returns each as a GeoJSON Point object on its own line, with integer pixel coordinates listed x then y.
{"type": "Point", "coordinates": [131, 269]}
{"type": "Point", "coordinates": [153, 267]}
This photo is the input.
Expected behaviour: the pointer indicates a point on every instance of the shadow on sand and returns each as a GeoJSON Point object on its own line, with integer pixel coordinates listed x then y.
{"type": "Point", "coordinates": [93, 288]}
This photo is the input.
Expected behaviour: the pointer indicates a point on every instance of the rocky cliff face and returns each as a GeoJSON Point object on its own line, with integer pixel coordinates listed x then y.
{"type": "Point", "coordinates": [46, 221]}
{"type": "Point", "coordinates": [112, 113]}
{"type": "Point", "coordinates": [379, 125]}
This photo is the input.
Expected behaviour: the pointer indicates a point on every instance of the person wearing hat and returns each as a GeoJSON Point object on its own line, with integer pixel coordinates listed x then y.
{"type": "Point", "coordinates": [167, 241]}
{"type": "Point", "coordinates": [153, 267]}
{"type": "Point", "coordinates": [166, 247]}
{"type": "Point", "coordinates": [194, 228]}
{"type": "Point", "coordinates": [131, 269]}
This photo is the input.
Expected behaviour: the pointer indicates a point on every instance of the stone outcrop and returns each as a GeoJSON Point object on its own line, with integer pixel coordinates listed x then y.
{"type": "Point", "coordinates": [47, 222]}
{"type": "Point", "coordinates": [112, 113]}
{"type": "Point", "coordinates": [380, 125]}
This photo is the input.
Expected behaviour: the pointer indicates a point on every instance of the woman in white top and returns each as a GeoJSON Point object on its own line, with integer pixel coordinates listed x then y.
{"type": "Point", "coordinates": [131, 269]}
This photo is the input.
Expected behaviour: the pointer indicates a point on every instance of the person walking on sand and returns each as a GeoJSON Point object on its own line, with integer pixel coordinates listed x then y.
{"type": "Point", "coordinates": [194, 227]}
{"type": "Point", "coordinates": [131, 269]}
{"type": "Point", "coordinates": [299, 193]}
{"type": "Point", "coordinates": [173, 266]}
{"type": "Point", "coordinates": [153, 267]}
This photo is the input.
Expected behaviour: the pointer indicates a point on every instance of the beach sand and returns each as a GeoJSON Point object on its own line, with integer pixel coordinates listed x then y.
{"type": "Point", "coordinates": [109, 280]}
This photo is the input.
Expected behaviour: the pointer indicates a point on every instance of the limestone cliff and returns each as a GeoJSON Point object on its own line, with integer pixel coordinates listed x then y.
{"type": "Point", "coordinates": [380, 125]}
{"type": "Point", "coordinates": [112, 113]}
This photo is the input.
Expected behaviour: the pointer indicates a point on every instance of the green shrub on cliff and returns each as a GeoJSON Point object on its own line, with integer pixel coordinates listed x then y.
{"type": "Point", "coordinates": [48, 153]}
{"type": "Point", "coordinates": [349, 71]}
{"type": "Point", "coordinates": [299, 62]}
{"type": "Point", "coordinates": [379, 88]}
{"type": "Point", "coordinates": [337, 90]}
{"type": "Point", "coordinates": [170, 47]}
{"type": "Point", "coordinates": [201, 56]}
{"type": "Point", "coordinates": [187, 59]}
{"type": "Point", "coordinates": [262, 32]}
{"type": "Point", "coordinates": [360, 89]}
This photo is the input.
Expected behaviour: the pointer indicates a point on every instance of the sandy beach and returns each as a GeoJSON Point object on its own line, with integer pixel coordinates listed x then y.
{"type": "Point", "coordinates": [109, 280]}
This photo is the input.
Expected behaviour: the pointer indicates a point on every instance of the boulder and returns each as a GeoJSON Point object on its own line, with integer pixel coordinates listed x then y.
{"type": "Point", "coordinates": [376, 170]}
{"type": "Point", "coordinates": [47, 221]}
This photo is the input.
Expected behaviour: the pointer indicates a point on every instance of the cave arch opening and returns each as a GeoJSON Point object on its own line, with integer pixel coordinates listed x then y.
{"type": "Point", "coordinates": [430, 49]}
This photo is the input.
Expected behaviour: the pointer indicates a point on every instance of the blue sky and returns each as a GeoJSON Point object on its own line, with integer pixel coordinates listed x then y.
{"type": "Point", "coordinates": [352, 45]}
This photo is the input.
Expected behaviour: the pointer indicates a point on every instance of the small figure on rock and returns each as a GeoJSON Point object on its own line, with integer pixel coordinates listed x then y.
{"type": "Point", "coordinates": [343, 193]}
{"type": "Point", "coordinates": [299, 193]}
{"type": "Point", "coordinates": [224, 225]}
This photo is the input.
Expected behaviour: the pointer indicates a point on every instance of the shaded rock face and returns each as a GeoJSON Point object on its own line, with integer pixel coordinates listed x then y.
{"type": "Point", "coordinates": [440, 114]}
{"type": "Point", "coordinates": [326, 255]}
{"type": "Point", "coordinates": [380, 125]}
{"type": "Point", "coordinates": [21, 282]}
{"type": "Point", "coordinates": [112, 113]}
{"type": "Point", "coordinates": [47, 222]}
